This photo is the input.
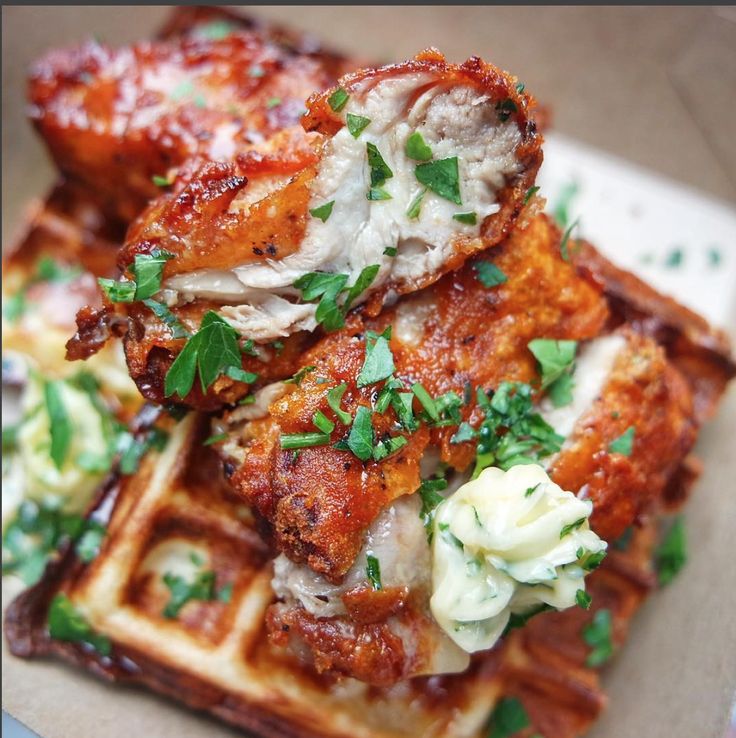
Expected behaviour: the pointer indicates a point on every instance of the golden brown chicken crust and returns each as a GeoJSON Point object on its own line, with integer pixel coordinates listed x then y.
{"type": "Point", "coordinates": [647, 393]}
{"type": "Point", "coordinates": [115, 118]}
{"type": "Point", "coordinates": [321, 501]}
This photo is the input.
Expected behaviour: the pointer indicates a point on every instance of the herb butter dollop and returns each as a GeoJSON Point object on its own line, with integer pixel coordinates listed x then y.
{"type": "Point", "coordinates": [508, 542]}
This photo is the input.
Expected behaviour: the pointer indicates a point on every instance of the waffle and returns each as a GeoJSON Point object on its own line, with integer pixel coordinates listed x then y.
{"type": "Point", "coordinates": [215, 655]}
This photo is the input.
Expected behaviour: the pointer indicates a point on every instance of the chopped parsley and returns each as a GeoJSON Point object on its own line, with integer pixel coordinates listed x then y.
{"type": "Point", "coordinates": [373, 572]}
{"type": "Point", "coordinates": [508, 718]}
{"type": "Point", "coordinates": [60, 425]}
{"type": "Point", "coordinates": [273, 102]}
{"type": "Point", "coordinates": [256, 71]}
{"type": "Point", "coordinates": [33, 535]}
{"type": "Point", "coordinates": [147, 270]}
{"type": "Point", "coordinates": [168, 318]}
{"type": "Point", "coordinates": [488, 274]}
{"type": "Point", "coordinates": [89, 543]}
{"type": "Point", "coordinates": [415, 206]}
{"type": "Point", "coordinates": [598, 635]}
{"type": "Point", "coordinates": [334, 398]}
{"type": "Point", "coordinates": [570, 527]}
{"type": "Point", "coordinates": [512, 432]}
{"type": "Point", "coordinates": [338, 99]}
{"type": "Point", "coordinates": [390, 251]}
{"type": "Point", "coordinates": [429, 492]}
{"type": "Point", "coordinates": [202, 588]}
{"type": "Point", "coordinates": [556, 359]}
{"type": "Point", "coordinates": [323, 423]}
{"type": "Point", "coordinates": [530, 194]}
{"type": "Point", "coordinates": [417, 148]}
{"type": "Point", "coordinates": [470, 218]}
{"type": "Point", "coordinates": [133, 449]}
{"type": "Point", "coordinates": [357, 124]}
{"type": "Point", "coordinates": [624, 444]}
{"type": "Point", "coordinates": [592, 561]}
{"type": "Point", "coordinates": [66, 623]}
{"type": "Point", "coordinates": [212, 351]}
{"type": "Point", "coordinates": [379, 361]}
{"type": "Point", "coordinates": [323, 211]}
{"type": "Point", "coordinates": [361, 438]}
{"type": "Point", "coordinates": [214, 438]}
{"type": "Point", "coordinates": [215, 30]}
{"type": "Point", "coordinates": [561, 210]}
{"type": "Point", "coordinates": [441, 177]}
{"type": "Point", "coordinates": [380, 172]}
{"type": "Point", "coordinates": [564, 243]}
{"type": "Point", "coordinates": [160, 181]}
{"type": "Point", "coordinates": [519, 619]}
{"type": "Point", "coordinates": [299, 376]}
{"type": "Point", "coordinates": [714, 257]}
{"type": "Point", "coordinates": [671, 554]}
{"type": "Point", "coordinates": [675, 258]}
{"type": "Point", "coordinates": [583, 599]}
{"type": "Point", "coordinates": [504, 109]}
{"type": "Point", "coordinates": [385, 448]}
{"type": "Point", "coordinates": [327, 287]}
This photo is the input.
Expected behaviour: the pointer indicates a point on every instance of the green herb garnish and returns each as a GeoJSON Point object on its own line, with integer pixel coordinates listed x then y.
{"type": "Point", "coordinates": [373, 572]}
{"type": "Point", "coordinates": [504, 109]}
{"type": "Point", "coordinates": [417, 148]}
{"type": "Point", "coordinates": [334, 398]}
{"type": "Point", "coordinates": [555, 358]}
{"type": "Point", "coordinates": [488, 274]}
{"type": "Point", "coordinates": [530, 194]}
{"type": "Point", "coordinates": [60, 425]}
{"type": "Point", "coordinates": [508, 718]}
{"type": "Point", "coordinates": [415, 206]}
{"type": "Point", "coordinates": [379, 361]}
{"type": "Point", "coordinates": [441, 177]}
{"type": "Point", "coordinates": [598, 635]}
{"type": "Point", "coordinates": [66, 623]}
{"type": "Point", "coordinates": [338, 99]}
{"type": "Point", "coordinates": [357, 124]}
{"type": "Point", "coordinates": [466, 218]}
{"type": "Point", "coordinates": [202, 588]}
{"type": "Point", "coordinates": [165, 315]}
{"type": "Point", "coordinates": [583, 599]}
{"type": "Point", "coordinates": [323, 211]}
{"type": "Point", "coordinates": [624, 444]}
{"type": "Point", "coordinates": [361, 438]}
{"type": "Point", "coordinates": [671, 554]}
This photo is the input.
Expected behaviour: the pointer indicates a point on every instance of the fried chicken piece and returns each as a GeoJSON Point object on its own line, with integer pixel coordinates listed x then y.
{"type": "Point", "coordinates": [320, 502]}
{"type": "Point", "coordinates": [242, 233]}
{"type": "Point", "coordinates": [116, 118]}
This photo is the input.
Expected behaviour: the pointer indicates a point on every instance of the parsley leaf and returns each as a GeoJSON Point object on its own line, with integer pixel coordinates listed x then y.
{"type": "Point", "coordinates": [323, 211]}
{"type": "Point", "coordinates": [466, 218]}
{"type": "Point", "coordinates": [598, 635]}
{"type": "Point", "coordinates": [338, 99]}
{"type": "Point", "coordinates": [334, 398]}
{"type": "Point", "coordinates": [379, 361]}
{"type": "Point", "coordinates": [66, 623]}
{"type": "Point", "coordinates": [385, 448]}
{"type": "Point", "coordinates": [60, 426]}
{"type": "Point", "coordinates": [165, 315]}
{"type": "Point", "coordinates": [133, 449]}
{"type": "Point", "coordinates": [417, 149]}
{"type": "Point", "coordinates": [512, 431]}
{"type": "Point", "coordinates": [429, 492]}
{"type": "Point", "coordinates": [215, 438]}
{"type": "Point", "coordinates": [360, 439]}
{"type": "Point", "coordinates": [530, 194]}
{"type": "Point", "coordinates": [373, 572]}
{"type": "Point", "coordinates": [504, 108]}
{"type": "Point", "coordinates": [362, 283]}
{"type": "Point", "coordinates": [148, 270]}
{"type": "Point", "coordinates": [508, 718]}
{"type": "Point", "coordinates": [564, 243]}
{"type": "Point", "coordinates": [441, 177]}
{"type": "Point", "coordinates": [299, 376]}
{"type": "Point", "coordinates": [415, 206]}
{"type": "Point", "coordinates": [554, 357]}
{"type": "Point", "coordinates": [212, 351]}
{"type": "Point", "coordinates": [570, 527]}
{"type": "Point", "coordinates": [561, 210]}
{"type": "Point", "coordinates": [426, 401]}
{"type": "Point", "coordinates": [123, 291]}
{"type": "Point", "coordinates": [560, 391]}
{"type": "Point", "coordinates": [290, 441]}
{"type": "Point", "coordinates": [380, 171]}
{"type": "Point", "coordinates": [160, 181]}
{"type": "Point", "coordinates": [624, 444]}
{"type": "Point", "coordinates": [583, 599]}
{"type": "Point", "coordinates": [489, 275]}
{"type": "Point", "coordinates": [357, 124]}
{"type": "Point", "coordinates": [671, 554]}
{"type": "Point", "coordinates": [202, 587]}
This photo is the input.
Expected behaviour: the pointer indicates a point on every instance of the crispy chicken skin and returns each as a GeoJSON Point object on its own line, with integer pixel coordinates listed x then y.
{"type": "Point", "coordinates": [115, 118]}
{"type": "Point", "coordinates": [320, 502]}
{"type": "Point", "coordinates": [241, 232]}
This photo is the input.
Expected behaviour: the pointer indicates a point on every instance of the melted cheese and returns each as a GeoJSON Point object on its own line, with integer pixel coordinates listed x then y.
{"type": "Point", "coordinates": [499, 549]}
{"type": "Point", "coordinates": [456, 121]}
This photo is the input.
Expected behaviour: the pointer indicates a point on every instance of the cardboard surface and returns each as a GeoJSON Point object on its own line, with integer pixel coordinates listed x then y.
{"type": "Point", "coordinates": [676, 678]}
